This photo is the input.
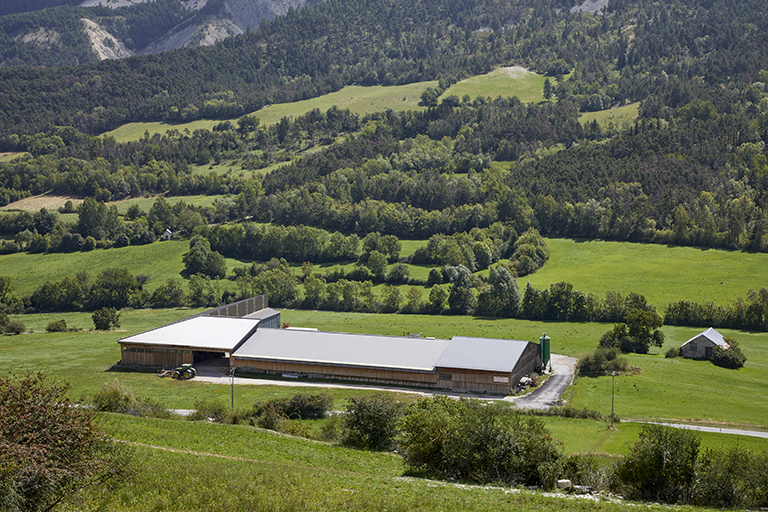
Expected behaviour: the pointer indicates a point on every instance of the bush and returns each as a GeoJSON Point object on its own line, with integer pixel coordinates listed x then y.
{"type": "Point", "coordinates": [672, 353]}
{"type": "Point", "coordinates": [105, 319]}
{"type": "Point", "coordinates": [478, 442]}
{"type": "Point", "coordinates": [114, 397]}
{"type": "Point", "coordinates": [602, 362]}
{"type": "Point", "coordinates": [308, 407]}
{"type": "Point", "coordinates": [731, 358]}
{"type": "Point", "coordinates": [57, 326]}
{"type": "Point", "coordinates": [661, 466]}
{"type": "Point", "coordinates": [211, 410]}
{"type": "Point", "coordinates": [731, 479]}
{"type": "Point", "coordinates": [371, 421]}
{"type": "Point", "coordinates": [15, 327]}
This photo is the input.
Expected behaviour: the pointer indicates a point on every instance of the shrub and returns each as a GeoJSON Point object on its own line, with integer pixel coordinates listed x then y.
{"type": "Point", "coordinates": [114, 397]}
{"type": "Point", "coordinates": [308, 407]}
{"type": "Point", "coordinates": [602, 362]}
{"type": "Point", "coordinates": [57, 326]}
{"type": "Point", "coordinates": [661, 465]}
{"type": "Point", "coordinates": [371, 421]}
{"type": "Point", "coordinates": [211, 410]}
{"type": "Point", "coordinates": [106, 318]}
{"type": "Point", "coordinates": [478, 442]}
{"type": "Point", "coordinates": [731, 358]}
{"type": "Point", "coordinates": [731, 479]}
{"type": "Point", "coordinates": [672, 353]}
{"type": "Point", "coordinates": [15, 327]}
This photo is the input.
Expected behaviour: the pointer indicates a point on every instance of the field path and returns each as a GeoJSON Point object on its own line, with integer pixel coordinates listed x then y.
{"type": "Point", "coordinates": [549, 393]}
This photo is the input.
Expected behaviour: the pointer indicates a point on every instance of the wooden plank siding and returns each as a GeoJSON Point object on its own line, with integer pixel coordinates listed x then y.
{"type": "Point", "coordinates": [165, 357]}
{"type": "Point", "coordinates": [395, 376]}
{"type": "Point", "coordinates": [483, 381]}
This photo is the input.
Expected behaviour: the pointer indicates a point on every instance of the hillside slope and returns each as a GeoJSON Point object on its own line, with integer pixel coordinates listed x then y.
{"type": "Point", "coordinates": [115, 29]}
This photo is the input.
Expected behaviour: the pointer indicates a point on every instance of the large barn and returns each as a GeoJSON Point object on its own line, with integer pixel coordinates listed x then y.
{"type": "Point", "coordinates": [251, 341]}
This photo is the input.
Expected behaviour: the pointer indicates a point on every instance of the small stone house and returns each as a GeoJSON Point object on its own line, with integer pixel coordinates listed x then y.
{"type": "Point", "coordinates": [701, 345]}
{"type": "Point", "coordinates": [167, 235]}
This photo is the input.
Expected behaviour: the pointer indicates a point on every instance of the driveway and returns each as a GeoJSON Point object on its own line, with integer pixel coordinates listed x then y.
{"type": "Point", "coordinates": [563, 368]}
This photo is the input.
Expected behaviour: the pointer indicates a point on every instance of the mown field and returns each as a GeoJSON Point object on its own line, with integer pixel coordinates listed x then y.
{"type": "Point", "coordinates": [505, 82]}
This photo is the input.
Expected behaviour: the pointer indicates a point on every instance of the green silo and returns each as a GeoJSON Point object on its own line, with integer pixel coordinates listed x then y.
{"type": "Point", "coordinates": [544, 349]}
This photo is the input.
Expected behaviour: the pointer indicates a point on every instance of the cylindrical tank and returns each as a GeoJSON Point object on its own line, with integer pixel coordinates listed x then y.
{"type": "Point", "coordinates": [544, 347]}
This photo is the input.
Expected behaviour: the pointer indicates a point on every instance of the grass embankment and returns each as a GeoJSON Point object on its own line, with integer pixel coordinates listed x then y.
{"type": "Point", "coordinates": [241, 468]}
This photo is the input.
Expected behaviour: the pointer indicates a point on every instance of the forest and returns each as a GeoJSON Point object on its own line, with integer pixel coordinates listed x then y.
{"type": "Point", "coordinates": [481, 179]}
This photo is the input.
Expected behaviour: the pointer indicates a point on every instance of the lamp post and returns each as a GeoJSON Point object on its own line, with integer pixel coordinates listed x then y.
{"type": "Point", "coordinates": [613, 388]}
{"type": "Point", "coordinates": [232, 385]}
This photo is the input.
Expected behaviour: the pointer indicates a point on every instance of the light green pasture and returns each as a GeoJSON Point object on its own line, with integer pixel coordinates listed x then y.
{"type": "Point", "coordinates": [358, 99]}
{"type": "Point", "coordinates": [660, 273]}
{"type": "Point", "coordinates": [505, 82]}
{"type": "Point", "coordinates": [9, 157]}
{"type": "Point", "coordinates": [619, 117]}
{"type": "Point", "coordinates": [145, 203]}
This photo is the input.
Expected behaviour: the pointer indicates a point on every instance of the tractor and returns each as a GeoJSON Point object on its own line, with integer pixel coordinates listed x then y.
{"type": "Point", "coordinates": [183, 372]}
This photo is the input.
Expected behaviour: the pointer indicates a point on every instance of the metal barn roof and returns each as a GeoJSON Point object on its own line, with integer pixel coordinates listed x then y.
{"type": "Point", "coordinates": [486, 354]}
{"type": "Point", "coordinates": [201, 332]}
{"type": "Point", "coordinates": [263, 314]}
{"type": "Point", "coordinates": [343, 349]}
{"type": "Point", "coordinates": [712, 335]}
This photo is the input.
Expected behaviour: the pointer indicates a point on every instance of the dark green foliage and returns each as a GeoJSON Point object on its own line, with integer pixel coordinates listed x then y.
{"type": "Point", "coordinates": [750, 313]}
{"type": "Point", "coordinates": [298, 407]}
{"type": "Point", "coordinates": [15, 327]}
{"type": "Point", "coordinates": [502, 299]}
{"type": "Point", "coordinates": [202, 260]}
{"type": "Point", "coordinates": [49, 449]}
{"type": "Point", "coordinates": [106, 319]}
{"type": "Point", "coordinates": [731, 357]}
{"type": "Point", "coordinates": [602, 362]}
{"type": "Point", "coordinates": [476, 442]}
{"type": "Point", "coordinates": [672, 353]}
{"type": "Point", "coordinates": [115, 397]}
{"type": "Point", "coordinates": [371, 421]}
{"type": "Point", "coordinates": [638, 333]}
{"type": "Point", "coordinates": [211, 410]}
{"type": "Point", "coordinates": [57, 326]}
{"type": "Point", "coordinates": [661, 465]}
{"type": "Point", "coordinates": [734, 478]}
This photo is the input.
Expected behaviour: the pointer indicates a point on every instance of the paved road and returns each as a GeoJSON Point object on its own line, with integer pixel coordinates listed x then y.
{"type": "Point", "coordinates": [550, 392]}
{"type": "Point", "coordinates": [717, 430]}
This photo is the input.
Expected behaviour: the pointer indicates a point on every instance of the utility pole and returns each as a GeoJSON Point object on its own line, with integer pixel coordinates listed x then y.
{"type": "Point", "coordinates": [232, 384]}
{"type": "Point", "coordinates": [613, 388]}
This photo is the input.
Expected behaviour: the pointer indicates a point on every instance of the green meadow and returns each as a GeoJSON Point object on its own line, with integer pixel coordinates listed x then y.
{"type": "Point", "coordinates": [203, 466]}
{"type": "Point", "coordinates": [618, 117]}
{"type": "Point", "coordinates": [660, 273]}
{"type": "Point", "coordinates": [504, 82]}
{"type": "Point", "coordinates": [358, 99]}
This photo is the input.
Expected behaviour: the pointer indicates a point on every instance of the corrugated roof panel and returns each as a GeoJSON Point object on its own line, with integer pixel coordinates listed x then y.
{"type": "Point", "coordinates": [343, 349]}
{"type": "Point", "coordinates": [212, 332]}
{"type": "Point", "coordinates": [712, 335]}
{"type": "Point", "coordinates": [482, 354]}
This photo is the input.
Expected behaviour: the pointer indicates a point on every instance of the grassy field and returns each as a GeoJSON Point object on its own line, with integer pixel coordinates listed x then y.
{"type": "Point", "coordinates": [619, 117]}
{"type": "Point", "coordinates": [199, 466]}
{"type": "Point", "coordinates": [204, 466]}
{"type": "Point", "coordinates": [361, 100]}
{"type": "Point", "coordinates": [160, 260]}
{"type": "Point", "coordinates": [661, 273]}
{"type": "Point", "coordinates": [505, 82]}
{"type": "Point", "coordinates": [9, 157]}
{"type": "Point", "coordinates": [145, 203]}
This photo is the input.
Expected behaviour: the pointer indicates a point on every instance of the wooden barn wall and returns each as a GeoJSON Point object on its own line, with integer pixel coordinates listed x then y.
{"type": "Point", "coordinates": [327, 371]}
{"type": "Point", "coordinates": [476, 381]}
{"type": "Point", "coordinates": [147, 355]}
{"type": "Point", "coordinates": [529, 360]}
